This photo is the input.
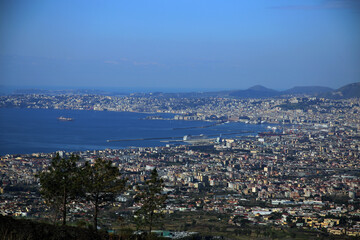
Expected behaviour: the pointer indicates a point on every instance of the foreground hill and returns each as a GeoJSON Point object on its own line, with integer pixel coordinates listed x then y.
{"type": "Point", "coordinates": [11, 228]}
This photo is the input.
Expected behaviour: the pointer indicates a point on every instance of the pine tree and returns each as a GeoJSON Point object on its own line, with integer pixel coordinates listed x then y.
{"type": "Point", "coordinates": [151, 200]}
{"type": "Point", "coordinates": [60, 183]}
{"type": "Point", "coordinates": [102, 183]}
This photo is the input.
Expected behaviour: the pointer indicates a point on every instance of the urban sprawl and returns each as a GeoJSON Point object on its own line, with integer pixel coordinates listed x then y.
{"type": "Point", "coordinates": [303, 172]}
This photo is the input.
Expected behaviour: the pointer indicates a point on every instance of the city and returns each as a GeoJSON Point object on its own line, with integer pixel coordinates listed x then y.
{"type": "Point", "coordinates": [181, 119]}
{"type": "Point", "coordinates": [302, 173]}
{"type": "Point", "coordinates": [296, 110]}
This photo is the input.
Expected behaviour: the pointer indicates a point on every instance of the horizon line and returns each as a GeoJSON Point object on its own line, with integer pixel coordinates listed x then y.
{"type": "Point", "coordinates": [7, 88]}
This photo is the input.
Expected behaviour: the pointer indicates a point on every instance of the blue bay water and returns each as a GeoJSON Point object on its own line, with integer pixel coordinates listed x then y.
{"type": "Point", "coordinates": [38, 130]}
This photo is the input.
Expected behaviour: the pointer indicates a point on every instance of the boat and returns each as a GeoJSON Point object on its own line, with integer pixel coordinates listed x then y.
{"type": "Point", "coordinates": [65, 119]}
{"type": "Point", "coordinates": [196, 139]}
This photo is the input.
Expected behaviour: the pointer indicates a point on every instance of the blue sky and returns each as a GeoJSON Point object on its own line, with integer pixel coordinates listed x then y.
{"type": "Point", "coordinates": [179, 44]}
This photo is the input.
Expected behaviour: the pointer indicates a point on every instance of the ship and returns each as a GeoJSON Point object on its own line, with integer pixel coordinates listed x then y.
{"type": "Point", "coordinates": [61, 118]}
{"type": "Point", "coordinates": [196, 139]}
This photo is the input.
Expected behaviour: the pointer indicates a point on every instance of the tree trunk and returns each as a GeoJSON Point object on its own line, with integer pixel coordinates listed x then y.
{"type": "Point", "coordinates": [95, 212]}
{"type": "Point", "coordinates": [56, 213]}
{"type": "Point", "coordinates": [150, 224]}
{"type": "Point", "coordinates": [64, 207]}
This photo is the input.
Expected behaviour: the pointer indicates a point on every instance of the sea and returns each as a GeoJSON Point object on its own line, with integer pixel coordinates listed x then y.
{"type": "Point", "coordinates": [25, 131]}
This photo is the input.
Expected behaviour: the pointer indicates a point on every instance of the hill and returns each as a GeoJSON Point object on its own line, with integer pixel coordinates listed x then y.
{"type": "Point", "coordinates": [348, 91]}
{"type": "Point", "coordinates": [308, 90]}
{"type": "Point", "coordinates": [11, 228]}
{"type": "Point", "coordinates": [257, 91]}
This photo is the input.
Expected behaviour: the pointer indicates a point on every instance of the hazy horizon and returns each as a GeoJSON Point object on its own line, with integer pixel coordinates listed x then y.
{"type": "Point", "coordinates": [127, 90]}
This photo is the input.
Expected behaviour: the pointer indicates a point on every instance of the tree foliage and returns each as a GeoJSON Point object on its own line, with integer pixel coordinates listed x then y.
{"type": "Point", "coordinates": [60, 183]}
{"type": "Point", "coordinates": [102, 183]}
{"type": "Point", "coordinates": [151, 200]}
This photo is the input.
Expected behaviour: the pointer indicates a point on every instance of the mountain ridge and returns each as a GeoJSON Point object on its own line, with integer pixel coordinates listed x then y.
{"type": "Point", "coordinates": [258, 91]}
{"type": "Point", "coordinates": [308, 90]}
{"type": "Point", "coordinates": [351, 90]}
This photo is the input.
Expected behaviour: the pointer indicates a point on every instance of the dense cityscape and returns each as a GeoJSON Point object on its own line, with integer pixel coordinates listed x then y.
{"type": "Point", "coordinates": [303, 173]}
{"type": "Point", "coordinates": [181, 119]}
{"type": "Point", "coordinates": [296, 110]}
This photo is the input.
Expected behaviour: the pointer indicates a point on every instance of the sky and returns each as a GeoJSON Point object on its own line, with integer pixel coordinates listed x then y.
{"type": "Point", "coordinates": [179, 44]}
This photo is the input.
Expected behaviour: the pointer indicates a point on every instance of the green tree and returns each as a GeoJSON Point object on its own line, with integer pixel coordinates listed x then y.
{"type": "Point", "coordinates": [60, 183]}
{"type": "Point", "coordinates": [102, 183]}
{"type": "Point", "coordinates": [151, 200]}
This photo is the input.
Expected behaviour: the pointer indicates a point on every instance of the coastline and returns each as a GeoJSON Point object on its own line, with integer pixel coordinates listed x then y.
{"type": "Point", "coordinates": [47, 134]}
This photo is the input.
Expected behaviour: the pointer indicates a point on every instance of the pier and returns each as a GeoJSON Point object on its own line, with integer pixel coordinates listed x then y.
{"type": "Point", "coordinates": [174, 138]}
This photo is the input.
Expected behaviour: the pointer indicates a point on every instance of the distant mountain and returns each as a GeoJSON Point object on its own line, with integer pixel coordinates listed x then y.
{"type": "Point", "coordinates": [257, 91]}
{"type": "Point", "coordinates": [261, 88]}
{"type": "Point", "coordinates": [308, 90]}
{"type": "Point", "coordinates": [348, 91]}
